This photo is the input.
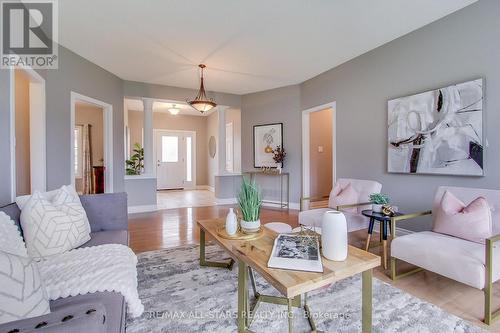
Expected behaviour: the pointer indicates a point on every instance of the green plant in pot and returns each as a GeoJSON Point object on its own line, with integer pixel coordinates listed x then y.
{"type": "Point", "coordinates": [249, 200]}
{"type": "Point", "coordinates": [135, 164]}
{"type": "Point", "coordinates": [378, 200]}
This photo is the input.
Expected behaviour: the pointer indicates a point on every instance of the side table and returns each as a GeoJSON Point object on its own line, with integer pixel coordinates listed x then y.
{"type": "Point", "coordinates": [385, 224]}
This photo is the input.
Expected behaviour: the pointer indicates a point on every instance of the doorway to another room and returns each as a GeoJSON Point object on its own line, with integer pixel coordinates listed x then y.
{"type": "Point", "coordinates": [91, 148]}
{"type": "Point", "coordinates": [28, 152]}
{"type": "Point", "coordinates": [318, 149]}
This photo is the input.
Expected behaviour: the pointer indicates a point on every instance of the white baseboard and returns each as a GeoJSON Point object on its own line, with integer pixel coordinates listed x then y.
{"type": "Point", "coordinates": [142, 209]}
{"type": "Point", "coordinates": [205, 187]}
{"type": "Point", "coordinates": [226, 201]}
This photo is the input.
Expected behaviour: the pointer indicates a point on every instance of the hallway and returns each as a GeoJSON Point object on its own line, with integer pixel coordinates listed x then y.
{"type": "Point", "coordinates": [169, 199]}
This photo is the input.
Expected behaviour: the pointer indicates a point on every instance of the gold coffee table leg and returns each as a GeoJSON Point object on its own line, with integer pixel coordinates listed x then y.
{"type": "Point", "coordinates": [366, 308]}
{"type": "Point", "coordinates": [206, 263]}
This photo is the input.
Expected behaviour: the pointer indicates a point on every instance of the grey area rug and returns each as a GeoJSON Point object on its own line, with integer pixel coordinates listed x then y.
{"type": "Point", "coordinates": [179, 296]}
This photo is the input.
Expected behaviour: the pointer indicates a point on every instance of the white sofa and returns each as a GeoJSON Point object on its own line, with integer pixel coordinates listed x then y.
{"type": "Point", "coordinates": [473, 264]}
{"type": "Point", "coordinates": [355, 220]}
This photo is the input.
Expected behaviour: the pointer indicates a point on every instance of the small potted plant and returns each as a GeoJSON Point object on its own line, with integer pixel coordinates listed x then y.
{"type": "Point", "coordinates": [378, 200]}
{"type": "Point", "coordinates": [249, 200]}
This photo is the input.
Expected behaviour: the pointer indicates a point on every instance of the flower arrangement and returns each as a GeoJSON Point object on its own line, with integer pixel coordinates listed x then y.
{"type": "Point", "coordinates": [279, 155]}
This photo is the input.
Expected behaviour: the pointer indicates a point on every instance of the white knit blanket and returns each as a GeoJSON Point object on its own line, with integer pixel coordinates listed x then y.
{"type": "Point", "coordinates": [110, 267]}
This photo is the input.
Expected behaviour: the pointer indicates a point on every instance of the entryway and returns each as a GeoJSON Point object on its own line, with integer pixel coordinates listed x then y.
{"type": "Point", "coordinates": [175, 159]}
{"type": "Point", "coordinates": [318, 151]}
{"type": "Point", "coordinates": [92, 145]}
{"type": "Point", "coordinates": [27, 135]}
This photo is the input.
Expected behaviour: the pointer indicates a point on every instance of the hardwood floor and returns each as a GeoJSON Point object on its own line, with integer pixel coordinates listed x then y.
{"type": "Point", "coordinates": [175, 227]}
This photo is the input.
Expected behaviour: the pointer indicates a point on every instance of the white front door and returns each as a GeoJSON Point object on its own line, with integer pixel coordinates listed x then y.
{"type": "Point", "coordinates": [174, 159]}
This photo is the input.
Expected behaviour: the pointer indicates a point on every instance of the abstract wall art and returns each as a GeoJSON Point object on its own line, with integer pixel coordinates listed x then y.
{"type": "Point", "coordinates": [438, 132]}
{"type": "Point", "coordinates": [265, 139]}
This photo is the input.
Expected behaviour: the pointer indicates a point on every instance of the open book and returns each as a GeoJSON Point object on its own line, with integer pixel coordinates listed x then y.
{"type": "Point", "coordinates": [296, 252]}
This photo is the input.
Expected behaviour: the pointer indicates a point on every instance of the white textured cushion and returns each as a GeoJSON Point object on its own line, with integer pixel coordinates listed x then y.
{"type": "Point", "coordinates": [313, 217]}
{"type": "Point", "coordinates": [22, 294]}
{"type": "Point", "coordinates": [455, 258]}
{"type": "Point", "coordinates": [11, 240]}
{"type": "Point", "coordinates": [53, 227]}
{"type": "Point", "coordinates": [23, 199]}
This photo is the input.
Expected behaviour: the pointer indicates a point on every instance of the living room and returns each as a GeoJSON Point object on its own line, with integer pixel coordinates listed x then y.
{"type": "Point", "coordinates": [267, 244]}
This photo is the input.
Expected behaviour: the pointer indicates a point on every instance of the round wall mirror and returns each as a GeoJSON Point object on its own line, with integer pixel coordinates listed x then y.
{"type": "Point", "coordinates": [212, 146]}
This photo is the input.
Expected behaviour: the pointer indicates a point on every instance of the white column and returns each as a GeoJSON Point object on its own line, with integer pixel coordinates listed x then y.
{"type": "Point", "coordinates": [221, 144]}
{"type": "Point", "coordinates": [149, 160]}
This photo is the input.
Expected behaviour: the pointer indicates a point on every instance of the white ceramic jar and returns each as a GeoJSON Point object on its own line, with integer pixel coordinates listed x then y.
{"type": "Point", "coordinates": [334, 236]}
{"type": "Point", "coordinates": [231, 223]}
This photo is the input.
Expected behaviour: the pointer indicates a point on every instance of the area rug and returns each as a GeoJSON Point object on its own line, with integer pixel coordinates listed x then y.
{"type": "Point", "coordinates": [179, 296]}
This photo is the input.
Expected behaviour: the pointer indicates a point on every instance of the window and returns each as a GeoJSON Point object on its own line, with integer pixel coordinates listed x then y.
{"type": "Point", "coordinates": [189, 176]}
{"type": "Point", "coordinates": [170, 149]}
{"type": "Point", "coordinates": [78, 151]}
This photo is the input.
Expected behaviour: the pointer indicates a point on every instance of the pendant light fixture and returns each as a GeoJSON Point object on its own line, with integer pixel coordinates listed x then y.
{"type": "Point", "coordinates": [201, 102]}
{"type": "Point", "coordinates": [173, 110]}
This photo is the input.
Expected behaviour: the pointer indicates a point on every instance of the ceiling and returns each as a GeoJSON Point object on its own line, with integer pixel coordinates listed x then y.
{"type": "Point", "coordinates": [163, 106]}
{"type": "Point", "coordinates": [247, 45]}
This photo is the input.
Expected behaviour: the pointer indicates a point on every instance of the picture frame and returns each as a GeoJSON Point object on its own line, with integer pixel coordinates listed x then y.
{"type": "Point", "coordinates": [438, 132]}
{"type": "Point", "coordinates": [266, 138]}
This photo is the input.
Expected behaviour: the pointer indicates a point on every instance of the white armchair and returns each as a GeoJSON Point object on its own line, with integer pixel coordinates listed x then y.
{"type": "Point", "coordinates": [355, 220]}
{"type": "Point", "coordinates": [473, 264]}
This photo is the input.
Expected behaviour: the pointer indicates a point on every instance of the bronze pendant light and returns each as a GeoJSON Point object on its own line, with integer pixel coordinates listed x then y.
{"type": "Point", "coordinates": [201, 102]}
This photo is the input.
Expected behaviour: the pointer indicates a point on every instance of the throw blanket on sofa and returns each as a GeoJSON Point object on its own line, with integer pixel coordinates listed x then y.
{"type": "Point", "coordinates": [110, 267]}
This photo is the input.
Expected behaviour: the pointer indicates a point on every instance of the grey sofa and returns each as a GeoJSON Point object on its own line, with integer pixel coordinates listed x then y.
{"type": "Point", "coordinates": [97, 312]}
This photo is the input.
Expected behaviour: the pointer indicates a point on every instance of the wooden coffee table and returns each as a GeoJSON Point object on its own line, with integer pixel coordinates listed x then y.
{"type": "Point", "coordinates": [254, 255]}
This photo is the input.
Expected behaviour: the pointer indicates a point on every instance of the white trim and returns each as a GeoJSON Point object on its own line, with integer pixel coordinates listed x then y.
{"type": "Point", "coordinates": [143, 176]}
{"type": "Point", "coordinates": [306, 186]}
{"type": "Point", "coordinates": [12, 82]}
{"type": "Point", "coordinates": [107, 137]}
{"type": "Point", "coordinates": [193, 152]}
{"type": "Point", "coordinates": [226, 201]}
{"type": "Point", "coordinates": [38, 137]}
{"type": "Point", "coordinates": [142, 209]}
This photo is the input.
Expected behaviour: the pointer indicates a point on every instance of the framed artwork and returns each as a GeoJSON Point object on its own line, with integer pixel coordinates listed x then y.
{"type": "Point", "coordinates": [265, 139]}
{"type": "Point", "coordinates": [438, 132]}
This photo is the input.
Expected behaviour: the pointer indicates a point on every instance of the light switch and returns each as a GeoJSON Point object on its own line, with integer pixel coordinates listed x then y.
{"type": "Point", "coordinates": [320, 149]}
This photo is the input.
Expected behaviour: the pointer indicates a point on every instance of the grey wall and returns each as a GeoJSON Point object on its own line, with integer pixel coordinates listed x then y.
{"type": "Point", "coordinates": [74, 74]}
{"type": "Point", "coordinates": [81, 76]}
{"type": "Point", "coordinates": [457, 48]}
{"type": "Point", "coordinates": [281, 105]}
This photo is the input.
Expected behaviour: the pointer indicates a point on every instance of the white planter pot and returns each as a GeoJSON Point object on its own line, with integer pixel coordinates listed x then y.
{"type": "Point", "coordinates": [250, 226]}
{"type": "Point", "coordinates": [376, 208]}
{"type": "Point", "coordinates": [334, 236]}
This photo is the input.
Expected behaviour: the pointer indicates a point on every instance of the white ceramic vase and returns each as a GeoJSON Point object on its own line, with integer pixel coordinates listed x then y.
{"type": "Point", "coordinates": [231, 223]}
{"type": "Point", "coordinates": [250, 226]}
{"type": "Point", "coordinates": [334, 235]}
{"type": "Point", "coordinates": [376, 208]}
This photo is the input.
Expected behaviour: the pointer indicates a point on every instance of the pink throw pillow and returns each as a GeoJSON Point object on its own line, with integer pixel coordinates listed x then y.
{"type": "Point", "coordinates": [471, 222]}
{"type": "Point", "coordinates": [344, 196]}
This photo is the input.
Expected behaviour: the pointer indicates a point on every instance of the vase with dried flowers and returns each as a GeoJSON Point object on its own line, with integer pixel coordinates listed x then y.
{"type": "Point", "coordinates": [279, 155]}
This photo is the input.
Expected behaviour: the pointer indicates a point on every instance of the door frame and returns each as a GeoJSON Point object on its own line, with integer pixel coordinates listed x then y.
{"type": "Point", "coordinates": [306, 165]}
{"type": "Point", "coordinates": [38, 124]}
{"type": "Point", "coordinates": [194, 169]}
{"type": "Point", "coordinates": [107, 137]}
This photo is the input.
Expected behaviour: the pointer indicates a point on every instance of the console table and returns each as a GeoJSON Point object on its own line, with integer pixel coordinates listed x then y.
{"type": "Point", "coordinates": [282, 203]}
